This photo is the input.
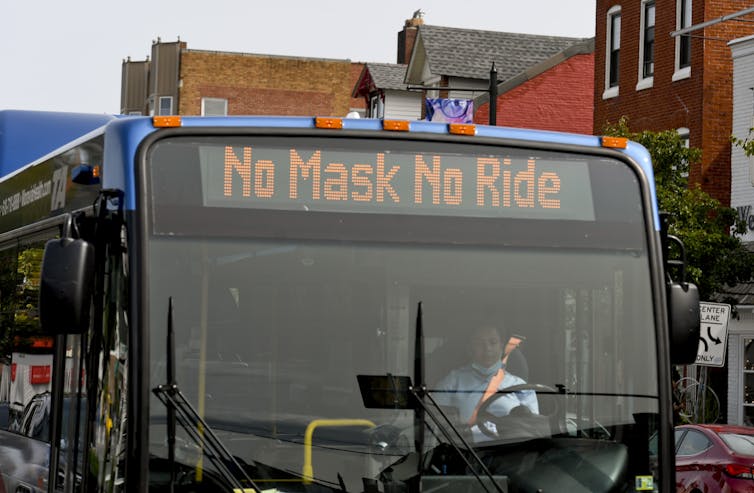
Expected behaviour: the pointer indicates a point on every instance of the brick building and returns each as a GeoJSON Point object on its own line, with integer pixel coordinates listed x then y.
{"type": "Point", "coordinates": [555, 94]}
{"type": "Point", "coordinates": [177, 80]}
{"type": "Point", "coordinates": [544, 82]}
{"type": "Point", "coordinates": [662, 82]}
{"type": "Point", "coordinates": [668, 64]}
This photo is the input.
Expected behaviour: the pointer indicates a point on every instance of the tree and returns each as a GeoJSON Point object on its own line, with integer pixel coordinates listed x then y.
{"type": "Point", "coordinates": [715, 254]}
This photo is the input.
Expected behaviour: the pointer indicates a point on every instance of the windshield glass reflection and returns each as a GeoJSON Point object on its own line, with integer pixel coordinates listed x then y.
{"type": "Point", "coordinates": [271, 336]}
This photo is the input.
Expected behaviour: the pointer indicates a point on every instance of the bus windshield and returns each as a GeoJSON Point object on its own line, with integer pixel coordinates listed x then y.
{"type": "Point", "coordinates": [297, 265]}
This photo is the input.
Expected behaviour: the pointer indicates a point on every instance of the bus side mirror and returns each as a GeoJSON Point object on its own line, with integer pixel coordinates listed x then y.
{"type": "Point", "coordinates": [66, 286]}
{"type": "Point", "coordinates": [683, 301]}
{"type": "Point", "coordinates": [683, 314]}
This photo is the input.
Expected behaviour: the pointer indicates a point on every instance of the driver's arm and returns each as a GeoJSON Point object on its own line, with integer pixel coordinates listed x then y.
{"type": "Point", "coordinates": [528, 398]}
{"type": "Point", "coordinates": [452, 392]}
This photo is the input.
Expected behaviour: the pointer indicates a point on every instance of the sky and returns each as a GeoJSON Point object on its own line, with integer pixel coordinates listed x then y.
{"type": "Point", "coordinates": [67, 55]}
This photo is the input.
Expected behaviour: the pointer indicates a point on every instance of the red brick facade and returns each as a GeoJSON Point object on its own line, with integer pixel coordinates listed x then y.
{"type": "Point", "coordinates": [267, 85]}
{"type": "Point", "coordinates": [702, 102]}
{"type": "Point", "coordinates": [560, 99]}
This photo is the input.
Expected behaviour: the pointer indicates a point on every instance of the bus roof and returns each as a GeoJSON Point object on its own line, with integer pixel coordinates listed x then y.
{"type": "Point", "coordinates": [26, 136]}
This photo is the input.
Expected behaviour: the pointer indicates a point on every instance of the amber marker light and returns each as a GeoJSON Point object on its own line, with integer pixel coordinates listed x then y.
{"type": "Point", "coordinates": [395, 125]}
{"type": "Point", "coordinates": [166, 121]}
{"type": "Point", "coordinates": [462, 128]}
{"type": "Point", "coordinates": [320, 122]}
{"type": "Point", "coordinates": [614, 142]}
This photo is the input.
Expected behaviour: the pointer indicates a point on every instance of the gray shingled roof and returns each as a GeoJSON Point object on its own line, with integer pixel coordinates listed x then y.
{"type": "Point", "coordinates": [387, 75]}
{"type": "Point", "coordinates": [740, 294]}
{"type": "Point", "coordinates": [470, 52]}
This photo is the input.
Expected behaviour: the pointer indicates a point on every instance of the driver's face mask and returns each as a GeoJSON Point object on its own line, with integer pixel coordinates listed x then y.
{"type": "Point", "coordinates": [487, 371]}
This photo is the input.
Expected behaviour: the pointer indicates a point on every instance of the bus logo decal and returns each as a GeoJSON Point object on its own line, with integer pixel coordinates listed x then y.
{"type": "Point", "coordinates": [59, 180]}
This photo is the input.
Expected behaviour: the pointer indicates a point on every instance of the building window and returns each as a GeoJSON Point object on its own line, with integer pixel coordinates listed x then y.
{"type": "Point", "coordinates": [377, 106]}
{"type": "Point", "coordinates": [214, 107]}
{"type": "Point", "coordinates": [612, 67]}
{"type": "Point", "coordinates": [165, 105]}
{"type": "Point", "coordinates": [748, 381]}
{"type": "Point", "coordinates": [683, 42]}
{"type": "Point", "coordinates": [647, 45]}
{"type": "Point", "coordinates": [684, 133]}
{"type": "Point", "coordinates": [649, 39]}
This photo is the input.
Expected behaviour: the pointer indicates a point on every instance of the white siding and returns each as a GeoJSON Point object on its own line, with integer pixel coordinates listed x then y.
{"type": "Point", "coordinates": [738, 329]}
{"type": "Point", "coordinates": [403, 105]}
{"type": "Point", "coordinates": [484, 85]}
{"type": "Point", "coordinates": [735, 410]}
{"type": "Point", "coordinates": [742, 167]}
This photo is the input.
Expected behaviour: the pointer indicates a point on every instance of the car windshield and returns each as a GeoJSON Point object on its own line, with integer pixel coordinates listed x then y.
{"type": "Point", "coordinates": [287, 319]}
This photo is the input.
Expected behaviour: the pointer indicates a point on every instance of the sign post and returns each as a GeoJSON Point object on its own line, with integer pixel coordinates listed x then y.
{"type": "Point", "coordinates": [713, 334]}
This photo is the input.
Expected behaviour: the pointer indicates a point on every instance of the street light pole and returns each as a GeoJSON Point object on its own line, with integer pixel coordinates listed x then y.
{"type": "Point", "coordinates": [493, 95]}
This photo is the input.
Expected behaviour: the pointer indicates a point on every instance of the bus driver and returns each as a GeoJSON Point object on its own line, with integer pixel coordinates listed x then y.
{"type": "Point", "coordinates": [467, 387]}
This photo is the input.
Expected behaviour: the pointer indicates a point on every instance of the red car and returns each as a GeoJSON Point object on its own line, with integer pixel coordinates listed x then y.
{"type": "Point", "coordinates": [714, 458]}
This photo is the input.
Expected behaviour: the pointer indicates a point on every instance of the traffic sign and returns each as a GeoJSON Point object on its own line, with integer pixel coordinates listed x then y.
{"type": "Point", "coordinates": [713, 334]}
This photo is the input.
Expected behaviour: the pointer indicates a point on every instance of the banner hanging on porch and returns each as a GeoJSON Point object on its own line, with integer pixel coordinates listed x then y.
{"type": "Point", "coordinates": [450, 110]}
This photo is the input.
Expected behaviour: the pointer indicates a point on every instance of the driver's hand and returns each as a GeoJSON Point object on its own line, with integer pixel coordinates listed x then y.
{"type": "Point", "coordinates": [490, 426]}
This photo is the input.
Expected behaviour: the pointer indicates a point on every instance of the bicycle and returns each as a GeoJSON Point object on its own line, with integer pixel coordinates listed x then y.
{"type": "Point", "coordinates": [698, 402]}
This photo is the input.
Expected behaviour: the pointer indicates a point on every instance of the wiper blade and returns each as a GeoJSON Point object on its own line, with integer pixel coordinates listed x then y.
{"type": "Point", "coordinates": [203, 435]}
{"type": "Point", "coordinates": [420, 392]}
{"type": "Point", "coordinates": [181, 411]}
{"type": "Point", "coordinates": [419, 420]}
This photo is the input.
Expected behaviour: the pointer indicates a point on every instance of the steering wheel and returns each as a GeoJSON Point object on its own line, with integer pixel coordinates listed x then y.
{"type": "Point", "coordinates": [520, 419]}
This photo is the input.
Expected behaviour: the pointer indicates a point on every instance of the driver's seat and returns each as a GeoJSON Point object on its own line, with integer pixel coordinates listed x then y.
{"type": "Point", "coordinates": [517, 365]}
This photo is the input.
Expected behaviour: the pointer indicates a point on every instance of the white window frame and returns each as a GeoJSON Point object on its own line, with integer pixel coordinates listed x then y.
{"type": "Point", "coordinates": [224, 102]}
{"type": "Point", "coordinates": [159, 105]}
{"type": "Point", "coordinates": [645, 82]}
{"type": "Point", "coordinates": [377, 105]}
{"type": "Point", "coordinates": [682, 72]}
{"type": "Point", "coordinates": [611, 92]}
{"type": "Point", "coordinates": [685, 135]}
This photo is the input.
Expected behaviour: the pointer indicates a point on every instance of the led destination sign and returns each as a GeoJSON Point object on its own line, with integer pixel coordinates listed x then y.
{"type": "Point", "coordinates": [397, 182]}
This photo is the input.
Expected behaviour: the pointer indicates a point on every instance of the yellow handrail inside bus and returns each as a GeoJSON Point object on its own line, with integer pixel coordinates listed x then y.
{"type": "Point", "coordinates": [308, 471]}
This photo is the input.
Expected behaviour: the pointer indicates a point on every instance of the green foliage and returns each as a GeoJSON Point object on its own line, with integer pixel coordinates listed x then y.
{"type": "Point", "coordinates": [747, 144]}
{"type": "Point", "coordinates": [715, 254]}
{"type": "Point", "coordinates": [19, 296]}
{"type": "Point", "coordinates": [27, 290]}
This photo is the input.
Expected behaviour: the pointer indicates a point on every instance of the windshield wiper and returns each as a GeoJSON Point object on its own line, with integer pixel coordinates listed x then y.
{"type": "Point", "coordinates": [397, 392]}
{"type": "Point", "coordinates": [420, 392]}
{"type": "Point", "coordinates": [180, 411]}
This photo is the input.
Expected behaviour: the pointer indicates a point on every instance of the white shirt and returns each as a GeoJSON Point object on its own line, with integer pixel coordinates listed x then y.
{"type": "Point", "coordinates": [462, 388]}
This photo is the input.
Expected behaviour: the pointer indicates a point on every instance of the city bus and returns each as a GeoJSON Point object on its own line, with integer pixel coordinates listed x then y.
{"type": "Point", "coordinates": [275, 304]}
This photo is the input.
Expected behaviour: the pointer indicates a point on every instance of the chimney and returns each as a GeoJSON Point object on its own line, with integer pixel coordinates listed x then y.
{"type": "Point", "coordinates": [408, 35]}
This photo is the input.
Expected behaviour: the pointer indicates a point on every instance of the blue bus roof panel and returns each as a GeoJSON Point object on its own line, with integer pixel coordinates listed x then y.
{"type": "Point", "coordinates": [122, 140]}
{"type": "Point", "coordinates": [26, 136]}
